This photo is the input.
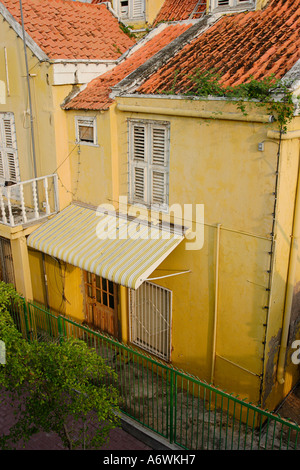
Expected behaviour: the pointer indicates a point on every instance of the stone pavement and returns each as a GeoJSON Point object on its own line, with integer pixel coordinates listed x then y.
{"type": "Point", "coordinates": [120, 439]}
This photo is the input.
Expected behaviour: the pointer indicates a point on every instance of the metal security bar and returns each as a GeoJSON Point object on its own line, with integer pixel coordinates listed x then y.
{"type": "Point", "coordinates": [180, 407]}
{"type": "Point", "coordinates": [150, 319]}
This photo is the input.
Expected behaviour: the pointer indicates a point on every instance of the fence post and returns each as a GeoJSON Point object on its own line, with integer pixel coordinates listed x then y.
{"type": "Point", "coordinates": [26, 320]}
{"type": "Point", "coordinates": [60, 328]}
{"type": "Point", "coordinates": [172, 388]}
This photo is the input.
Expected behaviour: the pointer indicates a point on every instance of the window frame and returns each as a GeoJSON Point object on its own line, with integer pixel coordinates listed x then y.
{"type": "Point", "coordinates": [233, 4]}
{"type": "Point", "coordinates": [149, 167]}
{"type": "Point", "coordinates": [130, 10]}
{"type": "Point", "coordinates": [90, 121]}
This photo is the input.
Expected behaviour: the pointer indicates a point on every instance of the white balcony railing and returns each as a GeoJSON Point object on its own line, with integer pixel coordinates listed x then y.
{"type": "Point", "coordinates": [28, 201]}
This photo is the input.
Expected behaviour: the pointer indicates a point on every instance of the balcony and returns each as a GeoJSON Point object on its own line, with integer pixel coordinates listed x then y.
{"type": "Point", "coordinates": [28, 201]}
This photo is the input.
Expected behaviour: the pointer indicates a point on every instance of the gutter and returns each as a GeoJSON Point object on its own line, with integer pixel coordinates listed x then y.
{"type": "Point", "coordinates": [195, 113]}
{"type": "Point", "coordinates": [290, 284]}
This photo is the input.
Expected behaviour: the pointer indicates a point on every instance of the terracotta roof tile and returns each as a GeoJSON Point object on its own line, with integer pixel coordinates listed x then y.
{"type": "Point", "coordinates": [239, 46]}
{"type": "Point", "coordinates": [178, 10]}
{"type": "Point", "coordinates": [66, 29]}
{"type": "Point", "coordinates": [96, 94]}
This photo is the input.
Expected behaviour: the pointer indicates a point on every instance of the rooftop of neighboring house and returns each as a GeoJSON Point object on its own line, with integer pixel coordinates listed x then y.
{"type": "Point", "coordinates": [66, 29]}
{"type": "Point", "coordinates": [96, 93]}
{"type": "Point", "coordinates": [241, 46]}
{"type": "Point", "coordinates": [179, 10]}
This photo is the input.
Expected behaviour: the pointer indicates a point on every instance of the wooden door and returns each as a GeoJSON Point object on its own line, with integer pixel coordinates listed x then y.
{"type": "Point", "coordinates": [102, 304]}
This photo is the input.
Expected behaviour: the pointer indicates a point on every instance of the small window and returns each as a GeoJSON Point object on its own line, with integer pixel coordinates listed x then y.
{"type": "Point", "coordinates": [86, 130]}
{"type": "Point", "coordinates": [131, 9]}
{"type": "Point", "coordinates": [233, 3]}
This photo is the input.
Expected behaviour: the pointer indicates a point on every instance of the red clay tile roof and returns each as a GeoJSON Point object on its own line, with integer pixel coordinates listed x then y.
{"type": "Point", "coordinates": [72, 30]}
{"type": "Point", "coordinates": [178, 10]}
{"type": "Point", "coordinates": [241, 46]}
{"type": "Point", "coordinates": [96, 94]}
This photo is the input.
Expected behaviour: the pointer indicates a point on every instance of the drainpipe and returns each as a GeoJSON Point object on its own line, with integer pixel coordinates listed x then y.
{"type": "Point", "coordinates": [29, 92]}
{"type": "Point", "coordinates": [290, 285]}
{"type": "Point", "coordinates": [216, 306]}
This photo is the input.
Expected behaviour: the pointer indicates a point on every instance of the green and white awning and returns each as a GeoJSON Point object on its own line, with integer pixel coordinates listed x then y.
{"type": "Point", "coordinates": [112, 246]}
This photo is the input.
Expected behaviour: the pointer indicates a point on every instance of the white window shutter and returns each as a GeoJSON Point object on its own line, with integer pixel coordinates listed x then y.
{"type": "Point", "coordinates": [159, 146]}
{"type": "Point", "coordinates": [137, 8]}
{"type": "Point", "coordinates": [12, 166]}
{"type": "Point", "coordinates": [139, 140]}
{"type": "Point", "coordinates": [139, 184]}
{"type": "Point", "coordinates": [159, 187]}
{"type": "Point", "coordinates": [9, 165]}
{"type": "Point", "coordinates": [149, 162]}
{"type": "Point", "coordinates": [2, 170]}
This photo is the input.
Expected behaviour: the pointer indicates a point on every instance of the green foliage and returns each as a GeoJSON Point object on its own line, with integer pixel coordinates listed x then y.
{"type": "Point", "coordinates": [271, 93]}
{"type": "Point", "coordinates": [126, 30]}
{"type": "Point", "coordinates": [59, 388]}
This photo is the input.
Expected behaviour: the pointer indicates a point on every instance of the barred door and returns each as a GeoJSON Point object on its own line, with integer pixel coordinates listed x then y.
{"type": "Point", "coordinates": [150, 319]}
{"type": "Point", "coordinates": [6, 262]}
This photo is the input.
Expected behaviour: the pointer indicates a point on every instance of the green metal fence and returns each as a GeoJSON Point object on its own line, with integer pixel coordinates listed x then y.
{"type": "Point", "coordinates": [179, 407]}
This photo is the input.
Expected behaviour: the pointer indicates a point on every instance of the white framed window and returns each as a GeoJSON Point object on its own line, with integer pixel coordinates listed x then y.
{"type": "Point", "coordinates": [232, 3]}
{"type": "Point", "coordinates": [149, 143]}
{"type": "Point", "coordinates": [150, 308]}
{"type": "Point", "coordinates": [130, 9]}
{"type": "Point", "coordinates": [86, 131]}
{"type": "Point", "coordinates": [9, 164]}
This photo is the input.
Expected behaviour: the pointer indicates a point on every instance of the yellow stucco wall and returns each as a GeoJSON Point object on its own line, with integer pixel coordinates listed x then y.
{"type": "Point", "coordinates": [91, 165]}
{"type": "Point", "coordinates": [17, 102]}
{"type": "Point", "coordinates": [152, 9]}
{"type": "Point", "coordinates": [217, 163]}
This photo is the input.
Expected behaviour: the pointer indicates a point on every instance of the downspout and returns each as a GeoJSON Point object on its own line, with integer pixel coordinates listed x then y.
{"type": "Point", "coordinates": [290, 284]}
{"type": "Point", "coordinates": [29, 92]}
{"type": "Point", "coordinates": [214, 340]}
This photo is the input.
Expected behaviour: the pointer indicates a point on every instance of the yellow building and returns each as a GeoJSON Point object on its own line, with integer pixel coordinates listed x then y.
{"type": "Point", "coordinates": [37, 71]}
{"type": "Point", "coordinates": [178, 221]}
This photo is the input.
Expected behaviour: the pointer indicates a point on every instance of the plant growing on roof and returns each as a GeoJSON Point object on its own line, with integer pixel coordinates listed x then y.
{"type": "Point", "coordinates": [272, 93]}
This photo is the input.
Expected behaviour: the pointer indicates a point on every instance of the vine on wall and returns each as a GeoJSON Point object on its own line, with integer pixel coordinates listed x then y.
{"type": "Point", "coordinates": [272, 93]}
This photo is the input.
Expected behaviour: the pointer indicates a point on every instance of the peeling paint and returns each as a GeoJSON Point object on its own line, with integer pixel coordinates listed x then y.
{"type": "Point", "coordinates": [271, 365]}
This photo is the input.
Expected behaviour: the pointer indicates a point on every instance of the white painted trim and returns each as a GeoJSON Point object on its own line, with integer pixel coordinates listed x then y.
{"type": "Point", "coordinates": [91, 122]}
{"type": "Point", "coordinates": [76, 72]}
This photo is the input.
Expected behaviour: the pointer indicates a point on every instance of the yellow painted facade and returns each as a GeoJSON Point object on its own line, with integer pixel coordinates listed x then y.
{"type": "Point", "coordinates": [48, 128]}
{"type": "Point", "coordinates": [227, 308]}
{"type": "Point", "coordinates": [215, 162]}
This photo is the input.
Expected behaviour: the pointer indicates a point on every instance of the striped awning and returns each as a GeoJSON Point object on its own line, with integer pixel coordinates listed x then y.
{"type": "Point", "coordinates": [112, 246]}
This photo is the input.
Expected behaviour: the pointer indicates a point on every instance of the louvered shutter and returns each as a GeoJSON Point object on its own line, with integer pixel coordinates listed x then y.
{"type": "Point", "coordinates": [2, 171]}
{"type": "Point", "coordinates": [149, 166]}
{"type": "Point", "coordinates": [139, 162]}
{"type": "Point", "coordinates": [9, 166]}
{"type": "Point", "coordinates": [139, 184]}
{"type": "Point", "coordinates": [159, 166]}
{"type": "Point", "coordinates": [139, 142]}
{"type": "Point", "coordinates": [137, 8]}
